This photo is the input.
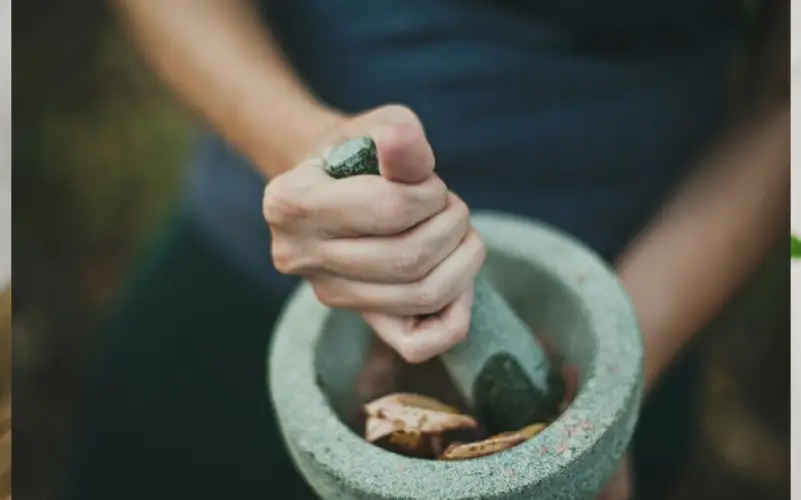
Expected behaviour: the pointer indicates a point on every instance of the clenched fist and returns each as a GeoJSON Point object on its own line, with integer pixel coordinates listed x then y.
{"type": "Point", "coordinates": [393, 247]}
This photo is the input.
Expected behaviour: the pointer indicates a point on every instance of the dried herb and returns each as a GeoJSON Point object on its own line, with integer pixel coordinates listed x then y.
{"type": "Point", "coordinates": [491, 445]}
{"type": "Point", "coordinates": [417, 425]}
{"type": "Point", "coordinates": [412, 424]}
{"type": "Point", "coordinates": [421, 426]}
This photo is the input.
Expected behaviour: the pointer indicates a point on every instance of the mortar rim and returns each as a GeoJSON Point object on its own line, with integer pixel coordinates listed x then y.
{"type": "Point", "coordinates": [616, 371]}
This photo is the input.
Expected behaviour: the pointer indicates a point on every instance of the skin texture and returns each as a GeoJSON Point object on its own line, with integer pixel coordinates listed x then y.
{"type": "Point", "coordinates": [225, 67]}
{"type": "Point", "coordinates": [222, 64]}
{"type": "Point", "coordinates": [391, 247]}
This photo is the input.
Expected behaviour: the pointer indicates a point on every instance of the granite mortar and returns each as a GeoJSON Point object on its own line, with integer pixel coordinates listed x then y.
{"type": "Point", "coordinates": [560, 289]}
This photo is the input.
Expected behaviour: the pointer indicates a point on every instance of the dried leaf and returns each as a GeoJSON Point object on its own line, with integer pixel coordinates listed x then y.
{"type": "Point", "coordinates": [405, 399]}
{"type": "Point", "coordinates": [427, 421]}
{"type": "Point", "coordinates": [377, 428]}
{"type": "Point", "coordinates": [491, 445]}
{"type": "Point", "coordinates": [532, 430]}
{"type": "Point", "coordinates": [413, 424]}
{"type": "Point", "coordinates": [483, 448]}
{"type": "Point", "coordinates": [412, 443]}
{"type": "Point", "coordinates": [412, 412]}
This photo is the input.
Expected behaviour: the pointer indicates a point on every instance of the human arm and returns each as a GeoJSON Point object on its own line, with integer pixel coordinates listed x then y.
{"type": "Point", "coordinates": [710, 238]}
{"type": "Point", "coordinates": [713, 235]}
{"type": "Point", "coordinates": [389, 247]}
{"type": "Point", "coordinates": [222, 63]}
{"type": "Point", "coordinates": [722, 223]}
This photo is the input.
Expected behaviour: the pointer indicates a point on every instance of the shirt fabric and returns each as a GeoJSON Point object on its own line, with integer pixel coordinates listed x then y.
{"type": "Point", "coordinates": [578, 113]}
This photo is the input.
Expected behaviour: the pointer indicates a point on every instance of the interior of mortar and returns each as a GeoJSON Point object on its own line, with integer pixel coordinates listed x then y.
{"type": "Point", "coordinates": [538, 296]}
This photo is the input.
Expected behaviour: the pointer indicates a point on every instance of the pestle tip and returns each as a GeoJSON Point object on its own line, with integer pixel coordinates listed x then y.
{"type": "Point", "coordinates": [506, 399]}
{"type": "Point", "coordinates": [357, 156]}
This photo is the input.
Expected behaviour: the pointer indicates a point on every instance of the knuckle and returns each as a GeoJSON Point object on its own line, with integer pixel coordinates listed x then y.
{"type": "Point", "coordinates": [285, 258]}
{"type": "Point", "coordinates": [429, 297]}
{"type": "Point", "coordinates": [438, 190]}
{"type": "Point", "coordinates": [280, 205]}
{"type": "Point", "coordinates": [414, 262]}
{"type": "Point", "coordinates": [392, 212]}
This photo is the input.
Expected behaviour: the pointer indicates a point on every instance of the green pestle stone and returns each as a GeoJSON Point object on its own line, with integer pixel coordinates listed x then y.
{"type": "Point", "coordinates": [353, 157]}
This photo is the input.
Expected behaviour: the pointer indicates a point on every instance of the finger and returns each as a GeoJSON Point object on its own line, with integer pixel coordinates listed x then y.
{"type": "Point", "coordinates": [403, 258]}
{"type": "Point", "coordinates": [437, 334]}
{"type": "Point", "coordinates": [288, 199]}
{"type": "Point", "coordinates": [418, 340]}
{"type": "Point", "coordinates": [431, 294]}
{"type": "Point", "coordinates": [368, 205]}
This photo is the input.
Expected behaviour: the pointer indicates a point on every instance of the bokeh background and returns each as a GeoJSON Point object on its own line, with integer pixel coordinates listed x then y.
{"type": "Point", "coordinates": [98, 157]}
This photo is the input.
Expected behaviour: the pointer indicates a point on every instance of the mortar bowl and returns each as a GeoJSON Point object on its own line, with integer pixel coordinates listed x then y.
{"type": "Point", "coordinates": [563, 292]}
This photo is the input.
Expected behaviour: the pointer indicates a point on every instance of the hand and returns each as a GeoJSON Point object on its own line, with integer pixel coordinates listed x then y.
{"type": "Point", "coordinates": [621, 485]}
{"type": "Point", "coordinates": [393, 247]}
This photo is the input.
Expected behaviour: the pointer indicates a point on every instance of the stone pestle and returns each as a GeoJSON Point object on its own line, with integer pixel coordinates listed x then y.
{"type": "Point", "coordinates": [500, 369]}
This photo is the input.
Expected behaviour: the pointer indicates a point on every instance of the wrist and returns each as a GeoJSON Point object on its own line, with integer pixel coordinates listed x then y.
{"type": "Point", "coordinates": [289, 134]}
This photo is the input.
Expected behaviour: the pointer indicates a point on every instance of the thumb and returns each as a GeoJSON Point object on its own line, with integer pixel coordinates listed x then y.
{"type": "Point", "coordinates": [404, 154]}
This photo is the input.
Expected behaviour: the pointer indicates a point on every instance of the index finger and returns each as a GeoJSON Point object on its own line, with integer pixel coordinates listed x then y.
{"type": "Point", "coordinates": [369, 205]}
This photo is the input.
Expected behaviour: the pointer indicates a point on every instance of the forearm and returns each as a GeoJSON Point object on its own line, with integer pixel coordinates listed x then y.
{"type": "Point", "coordinates": [710, 238]}
{"type": "Point", "coordinates": [228, 69]}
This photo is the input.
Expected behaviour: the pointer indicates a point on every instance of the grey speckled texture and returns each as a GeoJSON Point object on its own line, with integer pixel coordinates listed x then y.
{"type": "Point", "coordinates": [351, 157]}
{"type": "Point", "coordinates": [496, 329]}
{"type": "Point", "coordinates": [500, 369]}
{"type": "Point", "coordinates": [557, 287]}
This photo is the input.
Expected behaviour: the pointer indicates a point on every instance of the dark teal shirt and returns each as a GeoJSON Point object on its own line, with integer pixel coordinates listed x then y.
{"type": "Point", "coordinates": [580, 113]}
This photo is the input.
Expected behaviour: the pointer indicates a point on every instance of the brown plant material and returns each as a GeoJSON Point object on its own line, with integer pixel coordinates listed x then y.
{"type": "Point", "coordinates": [408, 400]}
{"type": "Point", "coordinates": [493, 444]}
{"type": "Point", "coordinates": [413, 424]}
{"type": "Point", "coordinates": [532, 430]}
{"type": "Point", "coordinates": [421, 426]}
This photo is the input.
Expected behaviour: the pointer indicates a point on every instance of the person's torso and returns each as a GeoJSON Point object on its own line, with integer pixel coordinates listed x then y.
{"type": "Point", "coordinates": [579, 113]}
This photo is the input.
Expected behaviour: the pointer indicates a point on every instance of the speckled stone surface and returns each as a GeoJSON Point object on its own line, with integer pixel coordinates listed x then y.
{"type": "Point", "coordinates": [515, 392]}
{"type": "Point", "coordinates": [353, 157]}
{"type": "Point", "coordinates": [558, 288]}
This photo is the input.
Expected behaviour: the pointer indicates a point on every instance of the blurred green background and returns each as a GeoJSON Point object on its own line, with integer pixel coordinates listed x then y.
{"type": "Point", "coordinates": [98, 151]}
{"type": "Point", "coordinates": [98, 156]}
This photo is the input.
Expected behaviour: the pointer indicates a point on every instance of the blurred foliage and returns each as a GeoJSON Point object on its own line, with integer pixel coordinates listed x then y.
{"type": "Point", "coordinates": [97, 152]}
{"type": "Point", "coordinates": [97, 147]}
